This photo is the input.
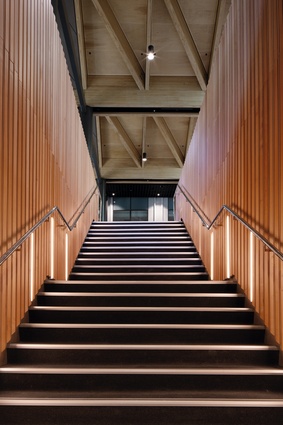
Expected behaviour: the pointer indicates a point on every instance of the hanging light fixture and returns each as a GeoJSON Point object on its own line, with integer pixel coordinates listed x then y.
{"type": "Point", "coordinates": [150, 52]}
{"type": "Point", "coordinates": [144, 158]}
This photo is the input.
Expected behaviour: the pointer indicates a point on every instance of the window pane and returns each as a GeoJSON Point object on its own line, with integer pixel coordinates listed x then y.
{"type": "Point", "coordinates": [139, 203]}
{"type": "Point", "coordinates": [121, 216]}
{"type": "Point", "coordinates": [122, 203]}
{"type": "Point", "coordinates": [139, 215]}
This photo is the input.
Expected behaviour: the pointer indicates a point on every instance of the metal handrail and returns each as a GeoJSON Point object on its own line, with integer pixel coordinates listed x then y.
{"type": "Point", "coordinates": [16, 245]}
{"type": "Point", "coordinates": [208, 225]}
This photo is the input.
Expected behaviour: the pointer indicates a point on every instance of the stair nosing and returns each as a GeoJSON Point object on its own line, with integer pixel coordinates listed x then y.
{"type": "Point", "coordinates": [138, 282]}
{"type": "Point", "coordinates": [141, 371]}
{"type": "Point", "coordinates": [141, 294]}
{"type": "Point", "coordinates": [158, 402]}
{"type": "Point", "coordinates": [142, 326]}
{"type": "Point", "coordinates": [120, 402]}
{"type": "Point", "coordinates": [107, 308]}
{"type": "Point", "coordinates": [142, 347]}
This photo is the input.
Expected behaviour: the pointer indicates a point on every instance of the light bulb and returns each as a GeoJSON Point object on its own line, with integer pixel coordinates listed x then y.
{"type": "Point", "coordinates": [150, 54]}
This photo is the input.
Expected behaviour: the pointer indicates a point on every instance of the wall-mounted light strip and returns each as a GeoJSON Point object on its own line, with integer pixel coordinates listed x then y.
{"type": "Point", "coordinates": [251, 267]}
{"type": "Point", "coordinates": [212, 256]}
{"type": "Point", "coordinates": [66, 256]}
{"type": "Point", "coordinates": [31, 266]}
{"type": "Point", "coordinates": [52, 247]}
{"type": "Point", "coordinates": [228, 249]}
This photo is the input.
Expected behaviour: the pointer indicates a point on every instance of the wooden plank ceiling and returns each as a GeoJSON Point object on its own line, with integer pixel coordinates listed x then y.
{"type": "Point", "coordinates": [141, 105]}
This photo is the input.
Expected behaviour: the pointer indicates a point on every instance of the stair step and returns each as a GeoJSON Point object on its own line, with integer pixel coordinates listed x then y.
{"type": "Point", "coordinates": [141, 286]}
{"type": "Point", "coordinates": [144, 333]}
{"type": "Point", "coordinates": [142, 354]}
{"type": "Point", "coordinates": [140, 239]}
{"type": "Point", "coordinates": [139, 268]}
{"type": "Point", "coordinates": [157, 315]}
{"type": "Point", "coordinates": [142, 248]}
{"type": "Point", "coordinates": [194, 275]}
{"type": "Point", "coordinates": [139, 299]}
{"type": "Point", "coordinates": [101, 255]}
{"type": "Point", "coordinates": [138, 261]}
{"type": "Point", "coordinates": [141, 243]}
{"type": "Point", "coordinates": [139, 382]}
{"type": "Point", "coordinates": [140, 411]}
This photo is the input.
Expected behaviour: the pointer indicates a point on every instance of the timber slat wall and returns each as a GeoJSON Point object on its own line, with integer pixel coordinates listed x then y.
{"type": "Point", "coordinates": [236, 155]}
{"type": "Point", "coordinates": [44, 159]}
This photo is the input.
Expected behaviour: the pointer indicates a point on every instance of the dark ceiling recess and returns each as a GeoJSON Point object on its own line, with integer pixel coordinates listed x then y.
{"type": "Point", "coordinates": [140, 189]}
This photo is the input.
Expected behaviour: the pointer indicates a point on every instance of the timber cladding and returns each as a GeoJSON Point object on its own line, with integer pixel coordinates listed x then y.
{"type": "Point", "coordinates": [44, 160]}
{"type": "Point", "coordinates": [236, 156]}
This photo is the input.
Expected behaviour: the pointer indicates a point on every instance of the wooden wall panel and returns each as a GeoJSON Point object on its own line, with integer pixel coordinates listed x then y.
{"type": "Point", "coordinates": [236, 158]}
{"type": "Point", "coordinates": [44, 158]}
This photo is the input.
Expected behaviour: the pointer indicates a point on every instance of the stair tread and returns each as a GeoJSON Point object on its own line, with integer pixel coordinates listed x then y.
{"type": "Point", "coordinates": [138, 282]}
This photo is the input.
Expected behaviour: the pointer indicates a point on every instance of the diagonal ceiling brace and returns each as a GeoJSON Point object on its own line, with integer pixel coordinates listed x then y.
{"type": "Point", "coordinates": [188, 41]}
{"type": "Point", "coordinates": [121, 42]}
{"type": "Point", "coordinates": [126, 140]}
{"type": "Point", "coordinates": [170, 140]}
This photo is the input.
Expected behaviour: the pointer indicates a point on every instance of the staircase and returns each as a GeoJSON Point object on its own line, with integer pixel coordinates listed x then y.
{"type": "Point", "coordinates": [140, 335]}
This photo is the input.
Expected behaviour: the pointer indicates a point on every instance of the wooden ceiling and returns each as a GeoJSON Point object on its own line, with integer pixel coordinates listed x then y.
{"type": "Point", "coordinates": [141, 105]}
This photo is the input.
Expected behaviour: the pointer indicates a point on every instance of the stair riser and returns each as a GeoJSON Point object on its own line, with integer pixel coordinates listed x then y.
{"type": "Point", "coordinates": [140, 301]}
{"type": "Point", "coordinates": [159, 317]}
{"type": "Point", "coordinates": [149, 358]}
{"type": "Point", "coordinates": [142, 287]}
{"type": "Point", "coordinates": [124, 384]}
{"type": "Point", "coordinates": [144, 336]}
{"type": "Point", "coordinates": [118, 415]}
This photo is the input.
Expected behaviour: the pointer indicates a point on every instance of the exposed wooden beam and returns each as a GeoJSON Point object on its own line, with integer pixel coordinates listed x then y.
{"type": "Point", "coordinates": [121, 42]}
{"type": "Point", "coordinates": [125, 140]}
{"type": "Point", "coordinates": [170, 140]}
{"type": "Point", "coordinates": [99, 141]}
{"type": "Point", "coordinates": [81, 41]}
{"type": "Point", "coordinates": [172, 92]}
{"type": "Point", "coordinates": [187, 40]}
{"type": "Point", "coordinates": [148, 41]}
{"type": "Point", "coordinates": [222, 10]}
{"type": "Point", "coordinates": [191, 127]}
